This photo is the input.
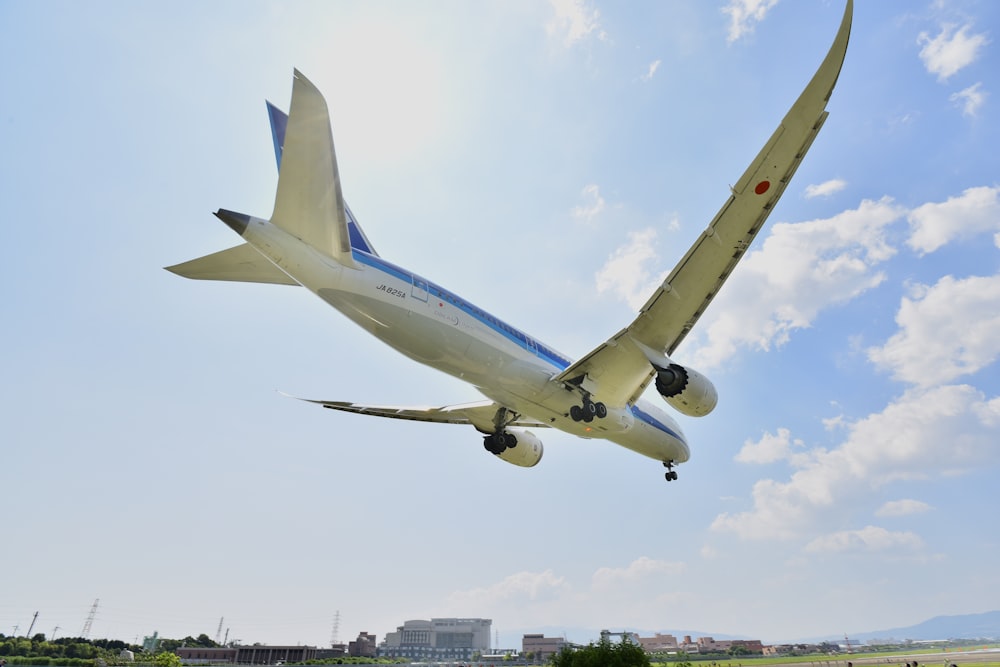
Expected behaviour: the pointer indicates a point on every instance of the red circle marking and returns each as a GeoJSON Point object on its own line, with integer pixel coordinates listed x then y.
{"type": "Point", "coordinates": [762, 187]}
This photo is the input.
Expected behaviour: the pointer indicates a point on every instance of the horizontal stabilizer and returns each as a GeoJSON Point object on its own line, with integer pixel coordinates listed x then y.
{"type": "Point", "coordinates": [240, 264]}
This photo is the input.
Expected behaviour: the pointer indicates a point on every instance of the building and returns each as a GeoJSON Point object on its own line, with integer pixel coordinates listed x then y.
{"type": "Point", "coordinates": [439, 639]}
{"type": "Point", "coordinates": [710, 645]}
{"type": "Point", "coordinates": [245, 655]}
{"type": "Point", "coordinates": [363, 647]}
{"type": "Point", "coordinates": [658, 643]}
{"type": "Point", "coordinates": [199, 655]}
{"type": "Point", "coordinates": [541, 647]}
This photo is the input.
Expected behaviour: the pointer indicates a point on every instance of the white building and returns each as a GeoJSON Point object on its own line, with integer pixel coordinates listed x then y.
{"type": "Point", "coordinates": [439, 639]}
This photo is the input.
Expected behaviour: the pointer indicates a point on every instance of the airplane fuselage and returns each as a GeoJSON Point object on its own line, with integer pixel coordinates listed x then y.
{"type": "Point", "coordinates": [436, 327]}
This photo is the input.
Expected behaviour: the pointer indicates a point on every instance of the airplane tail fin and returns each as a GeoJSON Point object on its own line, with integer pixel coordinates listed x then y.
{"type": "Point", "coordinates": [279, 126]}
{"type": "Point", "coordinates": [309, 203]}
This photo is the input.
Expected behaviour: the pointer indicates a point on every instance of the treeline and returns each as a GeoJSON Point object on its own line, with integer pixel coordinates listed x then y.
{"type": "Point", "coordinates": [81, 652]}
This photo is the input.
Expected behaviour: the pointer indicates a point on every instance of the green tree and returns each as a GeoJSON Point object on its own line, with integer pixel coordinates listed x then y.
{"type": "Point", "coordinates": [603, 654]}
{"type": "Point", "coordinates": [167, 659]}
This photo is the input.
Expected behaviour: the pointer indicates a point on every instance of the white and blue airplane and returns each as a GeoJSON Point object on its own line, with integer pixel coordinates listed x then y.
{"type": "Point", "coordinates": [312, 239]}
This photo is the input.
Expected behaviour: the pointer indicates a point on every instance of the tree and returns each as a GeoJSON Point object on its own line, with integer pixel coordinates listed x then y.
{"type": "Point", "coordinates": [603, 654]}
{"type": "Point", "coordinates": [167, 659]}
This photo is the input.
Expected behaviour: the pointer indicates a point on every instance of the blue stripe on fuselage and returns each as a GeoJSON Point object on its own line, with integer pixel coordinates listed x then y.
{"type": "Point", "coordinates": [655, 423]}
{"type": "Point", "coordinates": [499, 326]}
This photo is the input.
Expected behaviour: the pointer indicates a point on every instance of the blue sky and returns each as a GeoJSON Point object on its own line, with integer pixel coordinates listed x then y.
{"type": "Point", "coordinates": [549, 161]}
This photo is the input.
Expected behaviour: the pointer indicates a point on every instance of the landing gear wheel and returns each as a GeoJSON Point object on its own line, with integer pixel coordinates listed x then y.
{"type": "Point", "coordinates": [670, 475]}
{"type": "Point", "coordinates": [576, 413]}
{"type": "Point", "coordinates": [600, 410]}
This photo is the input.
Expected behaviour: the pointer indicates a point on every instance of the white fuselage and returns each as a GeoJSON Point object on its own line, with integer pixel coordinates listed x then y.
{"type": "Point", "coordinates": [439, 329]}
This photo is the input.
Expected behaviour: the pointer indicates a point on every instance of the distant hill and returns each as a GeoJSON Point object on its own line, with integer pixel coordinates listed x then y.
{"type": "Point", "coordinates": [966, 626]}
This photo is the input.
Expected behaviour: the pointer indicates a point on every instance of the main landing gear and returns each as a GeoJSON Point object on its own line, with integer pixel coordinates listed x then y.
{"type": "Point", "coordinates": [671, 474]}
{"type": "Point", "coordinates": [587, 411]}
{"type": "Point", "coordinates": [499, 442]}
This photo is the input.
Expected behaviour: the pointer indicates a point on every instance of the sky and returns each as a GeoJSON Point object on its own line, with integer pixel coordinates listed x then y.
{"type": "Point", "coordinates": [549, 161]}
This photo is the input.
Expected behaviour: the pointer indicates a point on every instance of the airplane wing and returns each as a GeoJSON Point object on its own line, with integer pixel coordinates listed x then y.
{"type": "Point", "coordinates": [621, 366]}
{"type": "Point", "coordinates": [478, 414]}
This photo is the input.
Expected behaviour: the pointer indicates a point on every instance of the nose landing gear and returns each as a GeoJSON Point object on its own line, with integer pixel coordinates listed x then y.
{"type": "Point", "coordinates": [671, 474]}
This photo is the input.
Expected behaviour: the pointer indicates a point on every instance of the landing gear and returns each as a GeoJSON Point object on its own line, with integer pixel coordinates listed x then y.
{"type": "Point", "coordinates": [587, 411]}
{"type": "Point", "coordinates": [671, 474]}
{"type": "Point", "coordinates": [499, 442]}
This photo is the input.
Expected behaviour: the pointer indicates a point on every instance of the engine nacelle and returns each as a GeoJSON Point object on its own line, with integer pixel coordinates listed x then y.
{"type": "Point", "coordinates": [686, 390]}
{"type": "Point", "coordinates": [522, 448]}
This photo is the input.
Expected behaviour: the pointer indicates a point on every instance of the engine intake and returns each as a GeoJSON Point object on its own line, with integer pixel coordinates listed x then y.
{"type": "Point", "coordinates": [686, 390]}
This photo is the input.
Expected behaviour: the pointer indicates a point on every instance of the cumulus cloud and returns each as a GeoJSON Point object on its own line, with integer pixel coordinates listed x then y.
{"type": "Point", "coordinates": [573, 21]}
{"type": "Point", "coordinates": [951, 50]}
{"type": "Point", "coordinates": [521, 586]}
{"type": "Point", "coordinates": [904, 507]}
{"type": "Point", "coordinates": [896, 443]}
{"type": "Point", "coordinates": [799, 270]}
{"type": "Point", "coordinates": [825, 189]}
{"type": "Point", "coordinates": [593, 205]}
{"type": "Point", "coordinates": [970, 99]}
{"type": "Point", "coordinates": [935, 224]}
{"type": "Point", "coordinates": [744, 15]}
{"type": "Point", "coordinates": [869, 538]}
{"type": "Point", "coordinates": [946, 331]}
{"type": "Point", "coordinates": [770, 448]}
{"type": "Point", "coordinates": [627, 274]}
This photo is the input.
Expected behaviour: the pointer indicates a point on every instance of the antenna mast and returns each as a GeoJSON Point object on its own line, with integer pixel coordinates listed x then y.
{"type": "Point", "coordinates": [85, 633]}
{"type": "Point", "coordinates": [335, 634]}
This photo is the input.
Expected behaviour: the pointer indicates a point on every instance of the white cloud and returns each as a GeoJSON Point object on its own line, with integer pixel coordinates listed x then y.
{"type": "Point", "coordinates": [869, 538]}
{"type": "Point", "coordinates": [799, 270]}
{"type": "Point", "coordinates": [970, 99]}
{"type": "Point", "coordinates": [643, 570]}
{"type": "Point", "coordinates": [945, 331]}
{"type": "Point", "coordinates": [825, 189]}
{"type": "Point", "coordinates": [975, 211]}
{"type": "Point", "coordinates": [902, 442]}
{"type": "Point", "coordinates": [653, 66]}
{"type": "Point", "coordinates": [904, 507]}
{"type": "Point", "coordinates": [744, 15]}
{"type": "Point", "coordinates": [574, 21]}
{"type": "Point", "coordinates": [627, 274]}
{"type": "Point", "coordinates": [594, 204]}
{"type": "Point", "coordinates": [521, 586]}
{"type": "Point", "coordinates": [770, 448]}
{"type": "Point", "coordinates": [950, 51]}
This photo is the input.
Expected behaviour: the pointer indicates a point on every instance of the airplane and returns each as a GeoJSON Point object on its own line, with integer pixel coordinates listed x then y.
{"type": "Point", "coordinates": [312, 239]}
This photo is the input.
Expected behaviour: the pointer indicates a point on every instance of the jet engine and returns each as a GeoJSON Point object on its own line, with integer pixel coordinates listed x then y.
{"type": "Point", "coordinates": [686, 390]}
{"type": "Point", "coordinates": [522, 448]}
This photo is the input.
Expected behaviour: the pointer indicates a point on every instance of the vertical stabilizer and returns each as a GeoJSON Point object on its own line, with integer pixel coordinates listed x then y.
{"type": "Point", "coordinates": [309, 203]}
{"type": "Point", "coordinates": [279, 123]}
